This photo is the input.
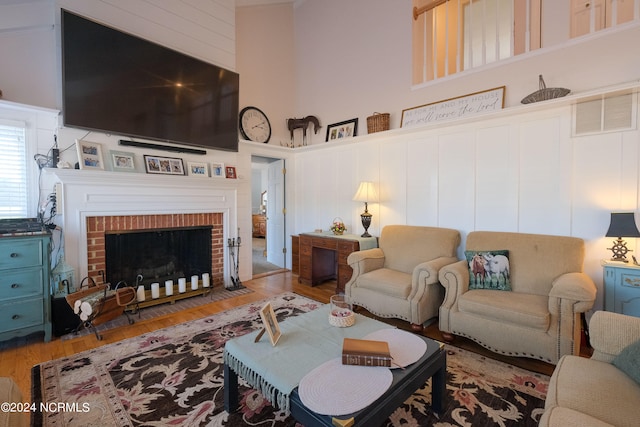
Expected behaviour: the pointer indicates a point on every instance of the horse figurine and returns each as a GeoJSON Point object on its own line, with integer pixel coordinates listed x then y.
{"type": "Point", "coordinates": [303, 124]}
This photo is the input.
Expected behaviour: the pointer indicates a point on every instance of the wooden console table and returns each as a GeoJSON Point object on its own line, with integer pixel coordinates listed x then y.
{"type": "Point", "coordinates": [323, 256]}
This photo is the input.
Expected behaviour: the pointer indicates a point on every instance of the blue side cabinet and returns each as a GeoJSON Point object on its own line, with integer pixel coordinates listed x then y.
{"type": "Point", "coordinates": [25, 303]}
{"type": "Point", "coordinates": [622, 287]}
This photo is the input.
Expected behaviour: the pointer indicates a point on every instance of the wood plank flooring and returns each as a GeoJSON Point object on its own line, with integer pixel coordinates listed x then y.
{"type": "Point", "coordinates": [19, 355]}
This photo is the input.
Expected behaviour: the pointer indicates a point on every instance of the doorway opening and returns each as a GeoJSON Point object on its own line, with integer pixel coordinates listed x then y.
{"type": "Point", "coordinates": [267, 212]}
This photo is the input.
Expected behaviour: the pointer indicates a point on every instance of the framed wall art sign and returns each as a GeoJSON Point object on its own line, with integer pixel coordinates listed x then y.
{"type": "Point", "coordinates": [454, 108]}
{"type": "Point", "coordinates": [345, 129]}
{"type": "Point", "coordinates": [89, 155]}
{"type": "Point", "coordinates": [163, 165]}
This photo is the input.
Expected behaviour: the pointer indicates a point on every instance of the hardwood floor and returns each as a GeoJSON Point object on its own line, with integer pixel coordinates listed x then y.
{"type": "Point", "coordinates": [17, 356]}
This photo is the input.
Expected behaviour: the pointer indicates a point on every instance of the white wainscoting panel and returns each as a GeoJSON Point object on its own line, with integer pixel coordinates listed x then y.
{"type": "Point", "coordinates": [519, 171]}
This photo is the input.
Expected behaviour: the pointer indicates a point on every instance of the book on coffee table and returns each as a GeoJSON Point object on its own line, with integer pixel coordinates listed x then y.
{"type": "Point", "coordinates": [365, 353]}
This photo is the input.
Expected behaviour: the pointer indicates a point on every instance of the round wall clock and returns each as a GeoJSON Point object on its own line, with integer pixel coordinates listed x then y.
{"type": "Point", "coordinates": [254, 125]}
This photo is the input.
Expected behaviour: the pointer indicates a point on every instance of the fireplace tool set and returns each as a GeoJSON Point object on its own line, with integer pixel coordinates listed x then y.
{"type": "Point", "coordinates": [234, 251]}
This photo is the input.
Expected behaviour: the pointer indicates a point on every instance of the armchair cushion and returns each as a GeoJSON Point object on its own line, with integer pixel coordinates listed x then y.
{"type": "Point", "coordinates": [488, 269]}
{"type": "Point", "coordinates": [628, 361]}
{"type": "Point", "coordinates": [388, 282]}
{"type": "Point", "coordinates": [526, 310]}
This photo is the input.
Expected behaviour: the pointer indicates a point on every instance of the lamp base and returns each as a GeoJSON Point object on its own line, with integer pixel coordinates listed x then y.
{"type": "Point", "coordinates": [620, 250]}
{"type": "Point", "coordinates": [366, 222]}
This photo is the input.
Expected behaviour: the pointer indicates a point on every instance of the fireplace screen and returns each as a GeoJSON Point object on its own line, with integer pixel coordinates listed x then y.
{"type": "Point", "coordinates": [157, 255]}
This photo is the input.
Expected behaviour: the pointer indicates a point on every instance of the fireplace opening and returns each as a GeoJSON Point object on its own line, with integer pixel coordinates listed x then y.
{"type": "Point", "coordinates": [157, 255]}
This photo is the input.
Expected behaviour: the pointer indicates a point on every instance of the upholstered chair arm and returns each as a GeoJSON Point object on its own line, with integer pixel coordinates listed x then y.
{"type": "Point", "coordinates": [575, 287]}
{"type": "Point", "coordinates": [365, 261]}
{"type": "Point", "coordinates": [611, 332]}
{"type": "Point", "coordinates": [455, 279]}
{"type": "Point", "coordinates": [426, 273]}
{"type": "Point", "coordinates": [362, 262]}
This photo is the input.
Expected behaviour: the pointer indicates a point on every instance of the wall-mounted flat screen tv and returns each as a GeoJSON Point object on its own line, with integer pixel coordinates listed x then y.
{"type": "Point", "coordinates": [121, 84]}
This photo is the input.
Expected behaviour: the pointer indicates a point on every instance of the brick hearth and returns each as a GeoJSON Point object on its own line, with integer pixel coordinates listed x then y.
{"type": "Point", "coordinates": [98, 225]}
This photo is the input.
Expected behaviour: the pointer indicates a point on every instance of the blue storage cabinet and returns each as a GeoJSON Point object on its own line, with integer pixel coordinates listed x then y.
{"type": "Point", "coordinates": [25, 303]}
{"type": "Point", "coordinates": [622, 287]}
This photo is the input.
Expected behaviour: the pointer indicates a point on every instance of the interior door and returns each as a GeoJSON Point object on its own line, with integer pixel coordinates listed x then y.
{"type": "Point", "coordinates": [275, 214]}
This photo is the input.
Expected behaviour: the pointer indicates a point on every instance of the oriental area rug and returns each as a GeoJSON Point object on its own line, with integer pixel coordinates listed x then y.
{"type": "Point", "coordinates": [174, 376]}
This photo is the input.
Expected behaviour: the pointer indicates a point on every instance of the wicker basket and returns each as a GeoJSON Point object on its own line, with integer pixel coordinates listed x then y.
{"type": "Point", "coordinates": [378, 122]}
{"type": "Point", "coordinates": [342, 321]}
{"type": "Point", "coordinates": [336, 221]}
{"type": "Point", "coordinates": [545, 93]}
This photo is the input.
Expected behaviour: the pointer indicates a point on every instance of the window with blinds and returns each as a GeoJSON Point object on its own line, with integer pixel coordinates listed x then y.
{"type": "Point", "coordinates": [13, 173]}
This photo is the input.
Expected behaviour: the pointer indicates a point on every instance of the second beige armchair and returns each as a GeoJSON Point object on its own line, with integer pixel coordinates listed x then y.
{"type": "Point", "coordinates": [399, 279]}
{"type": "Point", "coordinates": [535, 315]}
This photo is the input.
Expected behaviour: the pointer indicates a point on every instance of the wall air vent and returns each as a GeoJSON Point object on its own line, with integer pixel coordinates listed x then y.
{"type": "Point", "coordinates": [609, 112]}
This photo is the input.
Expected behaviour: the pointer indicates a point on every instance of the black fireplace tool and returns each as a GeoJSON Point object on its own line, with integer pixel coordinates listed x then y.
{"type": "Point", "coordinates": [234, 250]}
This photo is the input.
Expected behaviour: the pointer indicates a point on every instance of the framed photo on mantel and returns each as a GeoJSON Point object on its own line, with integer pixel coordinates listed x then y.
{"type": "Point", "coordinates": [199, 169]}
{"type": "Point", "coordinates": [89, 155]}
{"type": "Point", "coordinates": [163, 165]}
{"type": "Point", "coordinates": [122, 161]}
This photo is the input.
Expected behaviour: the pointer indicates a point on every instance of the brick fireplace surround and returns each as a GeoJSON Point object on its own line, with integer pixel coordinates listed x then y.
{"type": "Point", "coordinates": [98, 225]}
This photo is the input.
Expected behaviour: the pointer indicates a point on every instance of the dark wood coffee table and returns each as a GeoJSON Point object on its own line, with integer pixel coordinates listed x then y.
{"type": "Point", "coordinates": [433, 364]}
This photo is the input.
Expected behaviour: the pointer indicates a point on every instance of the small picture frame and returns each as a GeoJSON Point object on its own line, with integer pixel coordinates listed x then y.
{"type": "Point", "coordinates": [218, 170]}
{"type": "Point", "coordinates": [270, 323]}
{"type": "Point", "coordinates": [89, 155]}
{"type": "Point", "coordinates": [122, 161]}
{"type": "Point", "coordinates": [163, 165]}
{"type": "Point", "coordinates": [198, 169]}
{"type": "Point", "coordinates": [346, 129]}
{"type": "Point", "coordinates": [230, 172]}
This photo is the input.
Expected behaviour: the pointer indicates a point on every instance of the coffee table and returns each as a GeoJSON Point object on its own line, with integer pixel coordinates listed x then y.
{"type": "Point", "coordinates": [308, 341]}
{"type": "Point", "coordinates": [405, 382]}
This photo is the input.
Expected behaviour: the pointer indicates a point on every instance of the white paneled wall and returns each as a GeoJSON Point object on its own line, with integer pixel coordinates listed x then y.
{"type": "Point", "coordinates": [517, 170]}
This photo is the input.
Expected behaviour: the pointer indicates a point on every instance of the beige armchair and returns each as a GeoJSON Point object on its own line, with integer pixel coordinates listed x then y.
{"type": "Point", "coordinates": [399, 279]}
{"type": "Point", "coordinates": [595, 392]}
{"type": "Point", "coordinates": [539, 317]}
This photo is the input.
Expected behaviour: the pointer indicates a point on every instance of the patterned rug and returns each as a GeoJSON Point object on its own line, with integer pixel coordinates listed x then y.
{"type": "Point", "coordinates": [174, 376]}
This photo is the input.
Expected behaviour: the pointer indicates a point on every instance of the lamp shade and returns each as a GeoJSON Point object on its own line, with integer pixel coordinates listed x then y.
{"type": "Point", "coordinates": [366, 193]}
{"type": "Point", "coordinates": [623, 224]}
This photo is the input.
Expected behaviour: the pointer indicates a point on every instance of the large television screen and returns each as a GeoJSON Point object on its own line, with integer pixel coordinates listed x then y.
{"type": "Point", "coordinates": [121, 84]}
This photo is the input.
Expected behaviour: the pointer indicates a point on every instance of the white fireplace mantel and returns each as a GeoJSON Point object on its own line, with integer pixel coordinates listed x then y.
{"type": "Point", "coordinates": [101, 193]}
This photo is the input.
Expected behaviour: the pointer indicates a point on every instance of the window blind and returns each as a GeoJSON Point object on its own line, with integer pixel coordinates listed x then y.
{"type": "Point", "coordinates": [13, 170]}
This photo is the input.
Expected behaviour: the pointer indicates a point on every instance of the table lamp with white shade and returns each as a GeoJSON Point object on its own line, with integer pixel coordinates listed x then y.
{"type": "Point", "coordinates": [366, 193]}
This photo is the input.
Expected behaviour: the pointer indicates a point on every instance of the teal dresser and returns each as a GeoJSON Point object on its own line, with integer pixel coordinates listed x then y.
{"type": "Point", "coordinates": [622, 287]}
{"type": "Point", "coordinates": [25, 302]}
